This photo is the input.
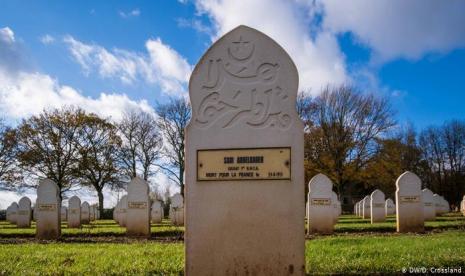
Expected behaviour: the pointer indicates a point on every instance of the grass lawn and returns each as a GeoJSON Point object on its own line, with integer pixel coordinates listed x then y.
{"type": "Point", "coordinates": [356, 247]}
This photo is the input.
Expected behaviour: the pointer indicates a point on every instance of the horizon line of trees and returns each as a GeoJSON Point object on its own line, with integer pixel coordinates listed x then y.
{"type": "Point", "coordinates": [350, 136]}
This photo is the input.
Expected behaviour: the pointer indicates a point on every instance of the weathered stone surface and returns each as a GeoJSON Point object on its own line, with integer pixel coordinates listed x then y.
{"type": "Point", "coordinates": [157, 212]}
{"type": "Point", "coordinates": [177, 209]}
{"type": "Point", "coordinates": [429, 209]}
{"type": "Point", "coordinates": [48, 210]}
{"type": "Point", "coordinates": [377, 205]}
{"type": "Point", "coordinates": [12, 212]}
{"type": "Point", "coordinates": [64, 213]}
{"type": "Point", "coordinates": [320, 198]}
{"type": "Point", "coordinates": [366, 207]}
{"type": "Point", "coordinates": [123, 207]}
{"type": "Point", "coordinates": [24, 213]}
{"type": "Point", "coordinates": [138, 212]}
{"type": "Point", "coordinates": [74, 212]}
{"type": "Point", "coordinates": [243, 94]}
{"type": "Point", "coordinates": [335, 203]}
{"type": "Point", "coordinates": [85, 213]}
{"type": "Point", "coordinates": [390, 207]}
{"type": "Point", "coordinates": [409, 207]}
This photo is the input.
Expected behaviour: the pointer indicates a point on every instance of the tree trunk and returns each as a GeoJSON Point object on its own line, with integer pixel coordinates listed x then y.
{"type": "Point", "coordinates": [100, 201]}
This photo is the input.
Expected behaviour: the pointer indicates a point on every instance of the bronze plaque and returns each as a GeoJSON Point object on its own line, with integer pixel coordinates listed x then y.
{"type": "Point", "coordinates": [244, 164]}
{"type": "Point", "coordinates": [321, 201]}
{"type": "Point", "coordinates": [137, 205]}
{"type": "Point", "coordinates": [409, 199]}
{"type": "Point", "coordinates": [47, 207]}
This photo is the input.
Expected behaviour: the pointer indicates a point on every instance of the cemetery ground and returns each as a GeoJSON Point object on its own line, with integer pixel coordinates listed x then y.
{"type": "Point", "coordinates": [356, 246]}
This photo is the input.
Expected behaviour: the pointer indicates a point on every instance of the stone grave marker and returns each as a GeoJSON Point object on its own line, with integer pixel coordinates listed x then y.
{"type": "Point", "coordinates": [24, 213]}
{"type": "Point", "coordinates": [377, 205]}
{"type": "Point", "coordinates": [177, 209]}
{"type": "Point", "coordinates": [48, 204]}
{"type": "Point", "coordinates": [409, 207]}
{"type": "Point", "coordinates": [334, 202]}
{"type": "Point", "coordinates": [85, 213]}
{"type": "Point", "coordinates": [429, 209]}
{"type": "Point", "coordinates": [64, 213]}
{"type": "Point", "coordinates": [360, 208]}
{"type": "Point", "coordinates": [34, 212]}
{"type": "Point", "coordinates": [123, 207]}
{"type": "Point", "coordinates": [242, 143]}
{"type": "Point", "coordinates": [138, 212]}
{"type": "Point", "coordinates": [437, 204]}
{"type": "Point", "coordinates": [366, 209]}
{"type": "Point", "coordinates": [74, 212]}
{"type": "Point", "coordinates": [157, 212]}
{"type": "Point", "coordinates": [390, 207]}
{"type": "Point", "coordinates": [12, 212]}
{"type": "Point", "coordinates": [320, 207]}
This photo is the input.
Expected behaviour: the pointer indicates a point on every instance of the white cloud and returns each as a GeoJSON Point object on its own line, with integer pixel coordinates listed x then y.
{"type": "Point", "coordinates": [397, 28]}
{"type": "Point", "coordinates": [317, 56]}
{"type": "Point", "coordinates": [161, 65]}
{"type": "Point", "coordinates": [47, 39]}
{"type": "Point", "coordinates": [132, 13]}
{"type": "Point", "coordinates": [24, 94]}
{"type": "Point", "coordinates": [7, 35]}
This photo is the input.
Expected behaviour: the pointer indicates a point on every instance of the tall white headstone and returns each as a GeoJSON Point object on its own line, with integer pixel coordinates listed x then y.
{"type": "Point", "coordinates": [360, 208]}
{"type": "Point", "coordinates": [24, 213]}
{"type": "Point", "coordinates": [138, 212]}
{"type": "Point", "coordinates": [48, 210]}
{"type": "Point", "coordinates": [390, 207]}
{"type": "Point", "coordinates": [320, 207]}
{"type": "Point", "coordinates": [74, 212]}
{"type": "Point", "coordinates": [409, 206]}
{"type": "Point", "coordinates": [429, 209]}
{"type": "Point", "coordinates": [85, 213]}
{"type": "Point", "coordinates": [13, 213]}
{"type": "Point", "coordinates": [64, 213]}
{"type": "Point", "coordinates": [242, 143]}
{"type": "Point", "coordinates": [123, 207]}
{"type": "Point", "coordinates": [177, 209]}
{"type": "Point", "coordinates": [366, 208]}
{"type": "Point", "coordinates": [377, 204]}
{"type": "Point", "coordinates": [335, 203]}
{"type": "Point", "coordinates": [157, 212]}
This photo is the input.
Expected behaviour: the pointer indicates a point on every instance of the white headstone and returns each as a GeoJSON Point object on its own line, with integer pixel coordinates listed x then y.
{"type": "Point", "coordinates": [390, 207]}
{"type": "Point", "coordinates": [177, 209]}
{"type": "Point", "coordinates": [123, 207]}
{"type": "Point", "coordinates": [335, 204]}
{"type": "Point", "coordinates": [85, 213]}
{"type": "Point", "coordinates": [429, 210]}
{"type": "Point", "coordinates": [74, 212]}
{"type": "Point", "coordinates": [64, 213]}
{"type": "Point", "coordinates": [437, 204]}
{"type": "Point", "coordinates": [320, 208]}
{"type": "Point", "coordinates": [13, 212]}
{"type": "Point", "coordinates": [463, 205]}
{"type": "Point", "coordinates": [24, 213]}
{"type": "Point", "coordinates": [243, 94]}
{"type": "Point", "coordinates": [409, 206]}
{"type": "Point", "coordinates": [48, 210]}
{"type": "Point", "coordinates": [366, 208]}
{"type": "Point", "coordinates": [138, 212]}
{"type": "Point", "coordinates": [360, 208]}
{"type": "Point", "coordinates": [377, 204]}
{"type": "Point", "coordinates": [157, 212]}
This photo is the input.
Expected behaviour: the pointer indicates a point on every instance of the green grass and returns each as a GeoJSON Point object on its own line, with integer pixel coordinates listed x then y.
{"type": "Point", "coordinates": [356, 247]}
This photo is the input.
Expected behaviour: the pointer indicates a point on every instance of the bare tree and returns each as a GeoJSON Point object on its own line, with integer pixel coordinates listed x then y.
{"type": "Point", "coordinates": [141, 144]}
{"type": "Point", "coordinates": [97, 143]}
{"type": "Point", "coordinates": [346, 124]}
{"type": "Point", "coordinates": [173, 118]}
{"type": "Point", "coordinates": [46, 146]}
{"type": "Point", "coordinates": [8, 168]}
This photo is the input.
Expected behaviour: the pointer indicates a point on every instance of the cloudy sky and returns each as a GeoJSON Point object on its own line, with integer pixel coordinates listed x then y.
{"type": "Point", "coordinates": [110, 56]}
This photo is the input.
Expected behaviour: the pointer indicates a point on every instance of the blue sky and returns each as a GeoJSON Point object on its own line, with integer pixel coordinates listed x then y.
{"type": "Point", "coordinates": [111, 56]}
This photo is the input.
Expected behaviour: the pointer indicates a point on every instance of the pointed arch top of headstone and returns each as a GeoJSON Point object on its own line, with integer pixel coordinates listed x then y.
{"type": "Point", "coordinates": [14, 206]}
{"type": "Point", "coordinates": [177, 201]}
{"type": "Point", "coordinates": [244, 79]}
{"type": "Point", "coordinates": [85, 204]}
{"type": "Point", "coordinates": [47, 188]}
{"type": "Point", "coordinates": [427, 195]}
{"type": "Point", "coordinates": [24, 202]}
{"type": "Point", "coordinates": [408, 182]}
{"type": "Point", "coordinates": [320, 184]}
{"type": "Point", "coordinates": [377, 195]}
{"type": "Point", "coordinates": [390, 201]}
{"type": "Point", "coordinates": [75, 200]}
{"type": "Point", "coordinates": [138, 184]}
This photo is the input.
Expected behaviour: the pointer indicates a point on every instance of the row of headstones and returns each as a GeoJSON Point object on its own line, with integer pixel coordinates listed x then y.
{"type": "Point", "coordinates": [462, 205]}
{"type": "Point", "coordinates": [22, 214]}
{"type": "Point", "coordinates": [135, 210]}
{"type": "Point", "coordinates": [414, 206]}
{"type": "Point", "coordinates": [323, 205]}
